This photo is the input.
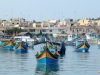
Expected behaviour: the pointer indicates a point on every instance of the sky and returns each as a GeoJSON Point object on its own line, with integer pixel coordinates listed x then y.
{"type": "Point", "coordinates": [41, 10]}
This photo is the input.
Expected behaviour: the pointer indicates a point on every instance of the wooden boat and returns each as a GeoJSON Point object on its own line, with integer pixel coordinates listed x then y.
{"type": "Point", "coordinates": [98, 43]}
{"type": "Point", "coordinates": [27, 39]}
{"type": "Point", "coordinates": [48, 67]}
{"type": "Point", "coordinates": [91, 37]}
{"type": "Point", "coordinates": [62, 49]}
{"type": "Point", "coordinates": [75, 39]}
{"type": "Point", "coordinates": [21, 47]}
{"type": "Point", "coordinates": [46, 57]}
{"type": "Point", "coordinates": [8, 45]}
{"type": "Point", "coordinates": [14, 41]}
{"type": "Point", "coordinates": [82, 46]}
{"type": "Point", "coordinates": [30, 43]}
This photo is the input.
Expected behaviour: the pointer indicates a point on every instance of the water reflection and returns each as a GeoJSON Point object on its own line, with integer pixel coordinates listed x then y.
{"type": "Point", "coordinates": [98, 46]}
{"type": "Point", "coordinates": [42, 69]}
{"type": "Point", "coordinates": [21, 61]}
{"type": "Point", "coordinates": [5, 51]}
{"type": "Point", "coordinates": [61, 56]}
{"type": "Point", "coordinates": [82, 56]}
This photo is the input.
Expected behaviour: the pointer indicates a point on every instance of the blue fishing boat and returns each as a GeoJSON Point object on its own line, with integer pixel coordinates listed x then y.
{"type": "Point", "coordinates": [30, 45]}
{"type": "Point", "coordinates": [8, 45]}
{"type": "Point", "coordinates": [48, 67]}
{"type": "Point", "coordinates": [21, 47]}
{"type": "Point", "coordinates": [14, 41]}
{"type": "Point", "coordinates": [82, 46]}
{"type": "Point", "coordinates": [46, 57]}
{"type": "Point", "coordinates": [61, 47]}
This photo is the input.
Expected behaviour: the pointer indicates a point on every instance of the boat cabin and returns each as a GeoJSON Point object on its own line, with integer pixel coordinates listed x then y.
{"type": "Point", "coordinates": [90, 35]}
{"type": "Point", "coordinates": [70, 37]}
{"type": "Point", "coordinates": [23, 38]}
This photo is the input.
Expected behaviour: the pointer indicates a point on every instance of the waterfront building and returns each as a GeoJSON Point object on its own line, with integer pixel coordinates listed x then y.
{"type": "Point", "coordinates": [49, 27]}
{"type": "Point", "coordinates": [84, 22]}
{"type": "Point", "coordinates": [0, 23]}
{"type": "Point", "coordinates": [5, 23]}
{"type": "Point", "coordinates": [65, 26]}
{"type": "Point", "coordinates": [17, 21]}
{"type": "Point", "coordinates": [83, 29]}
{"type": "Point", "coordinates": [98, 22]}
{"type": "Point", "coordinates": [67, 22]}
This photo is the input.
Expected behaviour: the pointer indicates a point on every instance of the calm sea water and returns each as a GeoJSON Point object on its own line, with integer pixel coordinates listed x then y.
{"type": "Point", "coordinates": [72, 63]}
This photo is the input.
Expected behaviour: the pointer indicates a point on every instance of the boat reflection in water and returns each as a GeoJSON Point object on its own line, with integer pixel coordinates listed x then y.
{"type": "Point", "coordinates": [48, 69]}
{"type": "Point", "coordinates": [98, 46]}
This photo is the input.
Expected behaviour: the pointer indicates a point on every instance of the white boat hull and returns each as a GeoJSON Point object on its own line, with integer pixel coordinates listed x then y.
{"type": "Point", "coordinates": [92, 41]}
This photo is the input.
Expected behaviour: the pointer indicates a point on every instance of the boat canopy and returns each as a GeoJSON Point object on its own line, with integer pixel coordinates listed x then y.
{"type": "Point", "coordinates": [19, 37]}
{"type": "Point", "coordinates": [24, 38]}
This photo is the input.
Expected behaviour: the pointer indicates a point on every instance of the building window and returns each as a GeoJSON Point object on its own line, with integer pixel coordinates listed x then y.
{"type": "Point", "coordinates": [50, 30]}
{"type": "Point", "coordinates": [51, 25]}
{"type": "Point", "coordinates": [38, 25]}
{"type": "Point", "coordinates": [12, 23]}
{"type": "Point", "coordinates": [43, 30]}
{"type": "Point", "coordinates": [33, 30]}
{"type": "Point", "coordinates": [71, 20]}
{"type": "Point", "coordinates": [71, 24]}
{"type": "Point", "coordinates": [17, 23]}
{"type": "Point", "coordinates": [45, 26]}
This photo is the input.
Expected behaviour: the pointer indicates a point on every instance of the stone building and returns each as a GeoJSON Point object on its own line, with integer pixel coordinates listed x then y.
{"type": "Point", "coordinates": [83, 29]}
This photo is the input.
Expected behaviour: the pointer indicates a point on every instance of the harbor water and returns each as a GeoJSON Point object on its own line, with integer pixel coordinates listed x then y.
{"type": "Point", "coordinates": [72, 63]}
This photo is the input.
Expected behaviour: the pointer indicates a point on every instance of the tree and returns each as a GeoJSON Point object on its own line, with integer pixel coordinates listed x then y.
{"type": "Point", "coordinates": [13, 31]}
{"type": "Point", "coordinates": [98, 18]}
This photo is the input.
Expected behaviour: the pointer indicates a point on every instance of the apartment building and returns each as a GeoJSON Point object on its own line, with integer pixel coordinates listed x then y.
{"type": "Point", "coordinates": [84, 22]}
{"type": "Point", "coordinates": [65, 26]}
{"type": "Point", "coordinates": [97, 22]}
{"type": "Point", "coordinates": [17, 21]}
{"type": "Point", "coordinates": [49, 27]}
